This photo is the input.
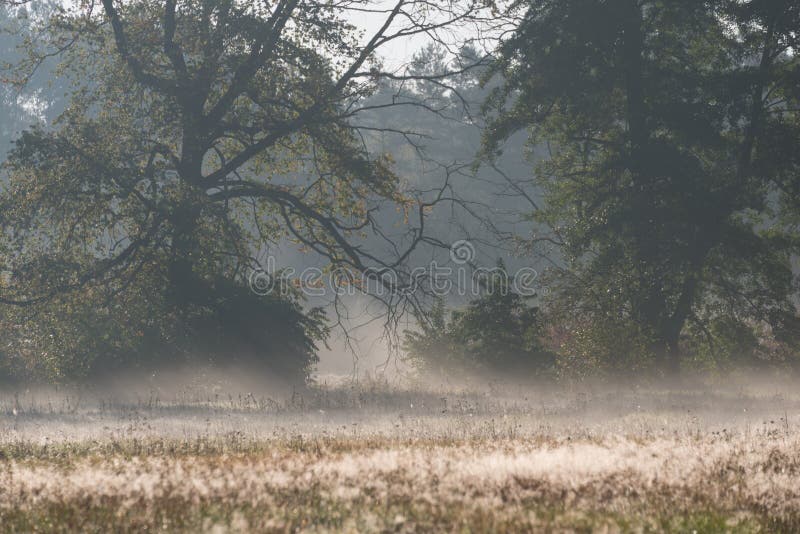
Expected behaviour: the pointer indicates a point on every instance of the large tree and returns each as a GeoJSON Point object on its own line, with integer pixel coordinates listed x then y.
{"type": "Point", "coordinates": [197, 132]}
{"type": "Point", "coordinates": [668, 136]}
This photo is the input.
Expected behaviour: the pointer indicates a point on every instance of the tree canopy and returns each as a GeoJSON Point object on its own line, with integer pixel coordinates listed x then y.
{"type": "Point", "coordinates": [196, 134]}
{"type": "Point", "coordinates": [670, 136]}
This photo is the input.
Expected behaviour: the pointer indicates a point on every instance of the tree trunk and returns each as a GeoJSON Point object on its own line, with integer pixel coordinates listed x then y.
{"type": "Point", "coordinates": [650, 303]}
{"type": "Point", "coordinates": [185, 287]}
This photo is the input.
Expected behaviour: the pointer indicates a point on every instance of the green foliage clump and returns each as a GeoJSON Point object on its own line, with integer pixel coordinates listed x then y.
{"type": "Point", "coordinates": [102, 330]}
{"type": "Point", "coordinates": [499, 332]}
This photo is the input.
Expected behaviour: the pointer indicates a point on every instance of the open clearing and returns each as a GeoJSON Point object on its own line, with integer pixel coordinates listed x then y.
{"type": "Point", "coordinates": [376, 459]}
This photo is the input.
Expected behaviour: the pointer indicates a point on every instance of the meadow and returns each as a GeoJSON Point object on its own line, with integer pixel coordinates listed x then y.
{"type": "Point", "coordinates": [371, 457]}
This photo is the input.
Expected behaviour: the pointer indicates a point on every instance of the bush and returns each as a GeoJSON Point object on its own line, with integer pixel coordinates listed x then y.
{"type": "Point", "coordinates": [500, 332]}
{"type": "Point", "coordinates": [102, 330]}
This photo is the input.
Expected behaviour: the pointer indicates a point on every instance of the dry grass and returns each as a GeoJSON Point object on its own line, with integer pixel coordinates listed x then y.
{"type": "Point", "coordinates": [368, 459]}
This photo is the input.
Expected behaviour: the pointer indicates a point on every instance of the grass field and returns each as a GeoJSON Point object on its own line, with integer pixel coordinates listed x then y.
{"type": "Point", "coordinates": [379, 459]}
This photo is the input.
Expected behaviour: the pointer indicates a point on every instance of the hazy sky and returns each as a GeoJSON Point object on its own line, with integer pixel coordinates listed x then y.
{"type": "Point", "coordinates": [396, 52]}
{"type": "Point", "coordinates": [400, 51]}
